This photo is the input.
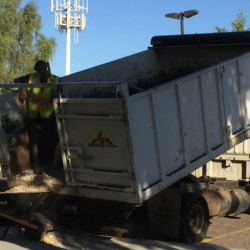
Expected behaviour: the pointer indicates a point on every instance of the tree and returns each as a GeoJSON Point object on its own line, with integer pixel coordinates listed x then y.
{"type": "Point", "coordinates": [21, 40]}
{"type": "Point", "coordinates": [237, 25]}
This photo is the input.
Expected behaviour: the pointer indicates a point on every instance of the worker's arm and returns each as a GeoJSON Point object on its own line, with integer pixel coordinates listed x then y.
{"type": "Point", "coordinates": [56, 91]}
{"type": "Point", "coordinates": [23, 79]}
{"type": "Point", "coordinates": [23, 93]}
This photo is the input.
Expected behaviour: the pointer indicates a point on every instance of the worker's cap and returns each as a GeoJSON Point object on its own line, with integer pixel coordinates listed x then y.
{"type": "Point", "coordinates": [39, 65]}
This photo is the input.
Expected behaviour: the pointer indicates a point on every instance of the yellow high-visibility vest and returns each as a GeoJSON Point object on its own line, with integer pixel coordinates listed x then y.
{"type": "Point", "coordinates": [40, 100]}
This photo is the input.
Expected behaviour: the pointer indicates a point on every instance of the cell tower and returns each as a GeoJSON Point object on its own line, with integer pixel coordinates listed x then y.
{"type": "Point", "coordinates": [69, 14]}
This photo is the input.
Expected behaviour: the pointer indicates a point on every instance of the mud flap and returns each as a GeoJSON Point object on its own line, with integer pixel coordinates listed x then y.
{"type": "Point", "coordinates": [164, 212]}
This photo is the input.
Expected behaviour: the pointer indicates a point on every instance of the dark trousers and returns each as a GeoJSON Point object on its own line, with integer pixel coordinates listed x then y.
{"type": "Point", "coordinates": [43, 138]}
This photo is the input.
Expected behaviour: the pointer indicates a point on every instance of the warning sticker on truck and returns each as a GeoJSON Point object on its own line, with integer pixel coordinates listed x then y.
{"type": "Point", "coordinates": [101, 138]}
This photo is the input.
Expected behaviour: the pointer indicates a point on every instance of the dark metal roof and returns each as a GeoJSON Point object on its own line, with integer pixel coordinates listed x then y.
{"type": "Point", "coordinates": [209, 39]}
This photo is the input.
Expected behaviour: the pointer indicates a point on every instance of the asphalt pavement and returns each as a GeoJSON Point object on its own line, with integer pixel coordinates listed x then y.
{"type": "Point", "coordinates": [74, 238]}
{"type": "Point", "coordinates": [93, 242]}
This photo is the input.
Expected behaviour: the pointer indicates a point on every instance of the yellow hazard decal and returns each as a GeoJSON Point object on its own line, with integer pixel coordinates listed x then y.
{"type": "Point", "coordinates": [101, 138]}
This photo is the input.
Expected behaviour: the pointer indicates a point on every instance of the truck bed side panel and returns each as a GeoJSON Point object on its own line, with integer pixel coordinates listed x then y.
{"type": "Point", "coordinates": [180, 126]}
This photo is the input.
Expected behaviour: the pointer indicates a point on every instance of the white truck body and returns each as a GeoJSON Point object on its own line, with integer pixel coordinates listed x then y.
{"type": "Point", "coordinates": [159, 136]}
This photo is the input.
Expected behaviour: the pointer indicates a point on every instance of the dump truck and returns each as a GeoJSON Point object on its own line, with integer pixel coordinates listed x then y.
{"type": "Point", "coordinates": [132, 132]}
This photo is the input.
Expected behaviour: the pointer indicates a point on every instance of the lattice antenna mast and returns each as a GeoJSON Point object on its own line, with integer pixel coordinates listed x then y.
{"type": "Point", "coordinates": [69, 14]}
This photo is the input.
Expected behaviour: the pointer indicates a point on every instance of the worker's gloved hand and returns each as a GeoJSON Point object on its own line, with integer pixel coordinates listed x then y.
{"type": "Point", "coordinates": [38, 170]}
{"type": "Point", "coordinates": [23, 93]}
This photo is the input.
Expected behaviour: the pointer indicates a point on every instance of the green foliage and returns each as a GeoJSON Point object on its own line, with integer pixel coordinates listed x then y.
{"type": "Point", "coordinates": [21, 40]}
{"type": "Point", "coordinates": [237, 25]}
{"type": "Point", "coordinates": [218, 29]}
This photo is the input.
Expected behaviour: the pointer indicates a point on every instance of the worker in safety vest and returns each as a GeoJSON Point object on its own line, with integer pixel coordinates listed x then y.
{"type": "Point", "coordinates": [40, 111]}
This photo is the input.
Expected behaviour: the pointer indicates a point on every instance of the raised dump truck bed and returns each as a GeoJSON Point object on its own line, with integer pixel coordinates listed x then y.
{"type": "Point", "coordinates": [135, 146]}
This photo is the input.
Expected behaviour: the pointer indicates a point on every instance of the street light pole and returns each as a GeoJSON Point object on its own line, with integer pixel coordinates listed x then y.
{"type": "Point", "coordinates": [181, 15]}
{"type": "Point", "coordinates": [182, 22]}
{"type": "Point", "coordinates": [68, 32]}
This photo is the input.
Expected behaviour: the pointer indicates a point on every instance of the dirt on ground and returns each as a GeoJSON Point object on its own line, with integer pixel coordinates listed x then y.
{"type": "Point", "coordinates": [29, 182]}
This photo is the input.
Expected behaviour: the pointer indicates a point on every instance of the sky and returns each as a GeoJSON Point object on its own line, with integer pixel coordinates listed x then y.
{"type": "Point", "coordinates": [119, 28]}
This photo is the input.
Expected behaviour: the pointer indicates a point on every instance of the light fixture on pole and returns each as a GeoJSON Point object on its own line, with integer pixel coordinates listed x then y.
{"type": "Point", "coordinates": [181, 15]}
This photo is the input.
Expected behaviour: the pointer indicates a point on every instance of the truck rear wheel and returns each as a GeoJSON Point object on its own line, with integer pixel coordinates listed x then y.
{"type": "Point", "coordinates": [194, 220]}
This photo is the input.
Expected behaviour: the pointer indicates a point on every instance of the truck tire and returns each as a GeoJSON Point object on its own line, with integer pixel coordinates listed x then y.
{"type": "Point", "coordinates": [194, 219]}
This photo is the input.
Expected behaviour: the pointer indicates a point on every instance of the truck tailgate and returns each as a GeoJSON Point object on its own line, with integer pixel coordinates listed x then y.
{"type": "Point", "coordinates": [95, 145]}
